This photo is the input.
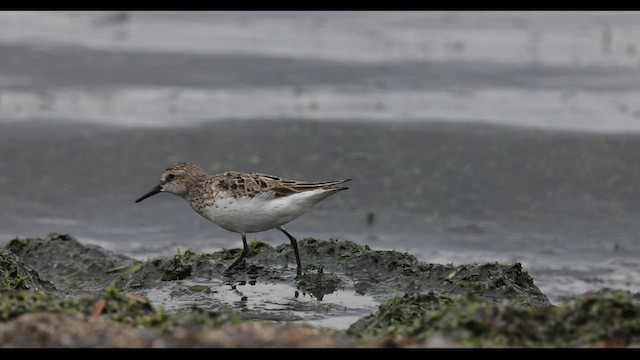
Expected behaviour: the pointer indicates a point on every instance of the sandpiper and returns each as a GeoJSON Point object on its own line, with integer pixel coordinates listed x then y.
{"type": "Point", "coordinates": [245, 202]}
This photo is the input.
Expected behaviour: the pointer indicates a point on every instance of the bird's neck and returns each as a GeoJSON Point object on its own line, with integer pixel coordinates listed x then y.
{"type": "Point", "coordinates": [194, 181]}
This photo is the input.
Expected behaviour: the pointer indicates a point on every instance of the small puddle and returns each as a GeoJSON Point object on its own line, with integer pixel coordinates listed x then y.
{"type": "Point", "coordinates": [278, 301]}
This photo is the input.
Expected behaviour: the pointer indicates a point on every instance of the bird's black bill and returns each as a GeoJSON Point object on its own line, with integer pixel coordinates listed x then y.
{"type": "Point", "coordinates": [153, 191]}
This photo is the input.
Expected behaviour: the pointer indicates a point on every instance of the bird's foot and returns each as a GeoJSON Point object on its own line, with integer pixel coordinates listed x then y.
{"type": "Point", "coordinates": [229, 270]}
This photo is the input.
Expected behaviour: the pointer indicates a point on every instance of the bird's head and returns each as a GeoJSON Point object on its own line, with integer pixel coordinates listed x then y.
{"type": "Point", "coordinates": [177, 179]}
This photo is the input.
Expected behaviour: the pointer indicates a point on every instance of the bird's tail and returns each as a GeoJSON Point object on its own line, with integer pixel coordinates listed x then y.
{"type": "Point", "coordinates": [332, 189]}
{"type": "Point", "coordinates": [325, 185]}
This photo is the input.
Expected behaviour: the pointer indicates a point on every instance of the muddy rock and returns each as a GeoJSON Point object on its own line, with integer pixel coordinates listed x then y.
{"type": "Point", "coordinates": [319, 284]}
{"type": "Point", "coordinates": [73, 268]}
{"type": "Point", "coordinates": [342, 280]}
{"type": "Point", "coordinates": [331, 268]}
{"type": "Point", "coordinates": [53, 330]}
{"type": "Point", "coordinates": [16, 274]}
{"type": "Point", "coordinates": [384, 274]}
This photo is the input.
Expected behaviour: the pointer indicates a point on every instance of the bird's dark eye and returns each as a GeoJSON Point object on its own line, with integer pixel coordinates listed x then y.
{"type": "Point", "coordinates": [170, 177]}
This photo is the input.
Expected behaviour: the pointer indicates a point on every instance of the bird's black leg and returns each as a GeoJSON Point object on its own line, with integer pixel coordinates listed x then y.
{"type": "Point", "coordinates": [245, 251]}
{"type": "Point", "coordinates": [294, 244]}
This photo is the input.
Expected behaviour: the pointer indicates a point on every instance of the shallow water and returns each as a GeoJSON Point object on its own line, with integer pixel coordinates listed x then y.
{"type": "Point", "coordinates": [277, 301]}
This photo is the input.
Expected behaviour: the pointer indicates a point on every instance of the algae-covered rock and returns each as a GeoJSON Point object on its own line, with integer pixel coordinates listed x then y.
{"type": "Point", "coordinates": [152, 273]}
{"type": "Point", "coordinates": [124, 307]}
{"type": "Point", "coordinates": [332, 265]}
{"type": "Point", "coordinates": [319, 284]}
{"type": "Point", "coordinates": [385, 274]}
{"type": "Point", "coordinates": [265, 285]}
{"type": "Point", "coordinates": [473, 304]}
{"type": "Point", "coordinates": [16, 274]}
{"type": "Point", "coordinates": [120, 307]}
{"type": "Point", "coordinates": [399, 316]}
{"type": "Point", "coordinates": [121, 319]}
{"type": "Point", "coordinates": [74, 268]}
{"type": "Point", "coordinates": [605, 318]}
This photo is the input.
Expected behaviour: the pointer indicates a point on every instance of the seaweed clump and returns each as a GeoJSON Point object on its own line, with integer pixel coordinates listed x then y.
{"type": "Point", "coordinates": [121, 307]}
{"type": "Point", "coordinates": [319, 284]}
{"type": "Point", "coordinates": [605, 318]}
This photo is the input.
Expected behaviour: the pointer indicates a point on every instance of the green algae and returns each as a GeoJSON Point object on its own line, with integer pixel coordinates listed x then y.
{"type": "Point", "coordinates": [609, 316]}
{"type": "Point", "coordinates": [399, 316]}
{"type": "Point", "coordinates": [319, 284]}
{"type": "Point", "coordinates": [133, 310]}
{"type": "Point", "coordinates": [14, 303]}
{"type": "Point", "coordinates": [121, 307]}
{"type": "Point", "coordinates": [178, 267]}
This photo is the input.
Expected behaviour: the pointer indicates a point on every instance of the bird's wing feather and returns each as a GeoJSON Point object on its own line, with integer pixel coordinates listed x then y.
{"type": "Point", "coordinates": [252, 184]}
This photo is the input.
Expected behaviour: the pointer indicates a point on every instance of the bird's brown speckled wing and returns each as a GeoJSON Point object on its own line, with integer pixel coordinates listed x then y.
{"type": "Point", "coordinates": [252, 184]}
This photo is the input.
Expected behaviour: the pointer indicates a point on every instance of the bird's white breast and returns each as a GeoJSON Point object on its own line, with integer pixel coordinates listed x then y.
{"type": "Point", "coordinates": [262, 212]}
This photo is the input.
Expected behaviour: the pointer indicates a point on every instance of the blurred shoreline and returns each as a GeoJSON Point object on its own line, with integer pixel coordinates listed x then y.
{"type": "Point", "coordinates": [574, 70]}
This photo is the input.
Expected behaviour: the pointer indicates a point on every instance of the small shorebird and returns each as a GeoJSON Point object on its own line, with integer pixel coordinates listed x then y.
{"type": "Point", "coordinates": [245, 202]}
